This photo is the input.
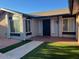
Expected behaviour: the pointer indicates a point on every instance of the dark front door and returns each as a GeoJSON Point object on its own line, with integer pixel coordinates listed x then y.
{"type": "Point", "coordinates": [46, 27]}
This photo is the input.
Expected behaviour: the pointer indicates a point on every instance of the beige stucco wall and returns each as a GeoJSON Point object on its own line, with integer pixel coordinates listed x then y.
{"type": "Point", "coordinates": [60, 26]}
{"type": "Point", "coordinates": [19, 17]}
{"type": "Point", "coordinates": [34, 27]}
{"type": "Point", "coordinates": [40, 29]}
{"type": "Point", "coordinates": [56, 29]}
{"type": "Point", "coordinates": [3, 27]}
{"type": "Point", "coordinates": [54, 26]}
{"type": "Point", "coordinates": [21, 32]}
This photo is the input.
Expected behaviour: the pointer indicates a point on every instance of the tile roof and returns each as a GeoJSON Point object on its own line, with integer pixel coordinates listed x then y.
{"type": "Point", "coordinates": [51, 13]}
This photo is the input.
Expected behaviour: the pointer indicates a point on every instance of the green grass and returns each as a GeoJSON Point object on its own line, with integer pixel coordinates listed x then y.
{"type": "Point", "coordinates": [54, 51]}
{"type": "Point", "coordinates": [6, 49]}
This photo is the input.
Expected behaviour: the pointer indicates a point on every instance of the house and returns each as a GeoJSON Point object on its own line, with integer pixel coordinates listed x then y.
{"type": "Point", "coordinates": [12, 24]}
{"type": "Point", "coordinates": [74, 9]}
{"type": "Point", "coordinates": [17, 25]}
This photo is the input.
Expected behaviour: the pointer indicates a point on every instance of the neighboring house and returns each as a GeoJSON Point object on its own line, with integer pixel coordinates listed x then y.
{"type": "Point", "coordinates": [74, 9]}
{"type": "Point", "coordinates": [58, 23]}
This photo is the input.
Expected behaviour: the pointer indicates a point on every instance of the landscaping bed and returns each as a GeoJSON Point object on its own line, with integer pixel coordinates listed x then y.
{"type": "Point", "coordinates": [6, 49]}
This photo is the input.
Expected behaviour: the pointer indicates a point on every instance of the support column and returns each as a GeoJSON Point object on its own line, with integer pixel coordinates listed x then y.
{"type": "Point", "coordinates": [60, 26]}
{"type": "Point", "coordinates": [8, 25]}
{"type": "Point", "coordinates": [77, 27]}
{"type": "Point", "coordinates": [22, 27]}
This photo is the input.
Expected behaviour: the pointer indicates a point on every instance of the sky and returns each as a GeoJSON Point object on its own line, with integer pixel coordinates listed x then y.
{"type": "Point", "coordinates": [29, 6]}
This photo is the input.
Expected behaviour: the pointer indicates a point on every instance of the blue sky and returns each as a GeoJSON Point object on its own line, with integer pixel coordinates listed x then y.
{"type": "Point", "coordinates": [29, 6]}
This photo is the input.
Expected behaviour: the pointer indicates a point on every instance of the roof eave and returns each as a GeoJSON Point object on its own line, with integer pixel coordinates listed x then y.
{"type": "Point", "coordinates": [71, 6]}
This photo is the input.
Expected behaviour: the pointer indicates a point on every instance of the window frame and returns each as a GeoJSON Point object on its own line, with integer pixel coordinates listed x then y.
{"type": "Point", "coordinates": [11, 19]}
{"type": "Point", "coordinates": [63, 24]}
{"type": "Point", "coordinates": [69, 18]}
{"type": "Point", "coordinates": [26, 26]}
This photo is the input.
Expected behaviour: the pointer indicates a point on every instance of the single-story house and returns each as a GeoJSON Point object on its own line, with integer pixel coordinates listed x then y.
{"type": "Point", "coordinates": [17, 25]}
{"type": "Point", "coordinates": [74, 9]}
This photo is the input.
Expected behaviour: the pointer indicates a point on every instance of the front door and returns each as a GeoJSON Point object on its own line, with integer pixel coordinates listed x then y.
{"type": "Point", "coordinates": [46, 27]}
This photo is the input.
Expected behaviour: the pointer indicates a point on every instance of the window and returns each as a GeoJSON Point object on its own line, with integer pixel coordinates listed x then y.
{"type": "Point", "coordinates": [14, 24]}
{"type": "Point", "coordinates": [65, 25]}
{"type": "Point", "coordinates": [27, 24]}
{"type": "Point", "coordinates": [69, 25]}
{"type": "Point", "coordinates": [72, 25]}
{"type": "Point", "coordinates": [11, 24]}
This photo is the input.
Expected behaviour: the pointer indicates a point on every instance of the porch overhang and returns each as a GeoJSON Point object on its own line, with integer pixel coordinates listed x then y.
{"type": "Point", "coordinates": [70, 5]}
{"type": "Point", "coordinates": [74, 6]}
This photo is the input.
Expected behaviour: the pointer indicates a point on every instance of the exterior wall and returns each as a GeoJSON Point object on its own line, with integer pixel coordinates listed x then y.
{"type": "Point", "coordinates": [66, 35]}
{"type": "Point", "coordinates": [60, 26]}
{"type": "Point", "coordinates": [40, 32]}
{"type": "Point", "coordinates": [37, 28]}
{"type": "Point", "coordinates": [34, 27]}
{"type": "Point", "coordinates": [75, 7]}
{"type": "Point", "coordinates": [3, 27]}
{"type": "Point", "coordinates": [21, 27]}
{"type": "Point", "coordinates": [77, 27]}
{"type": "Point", "coordinates": [24, 36]}
{"type": "Point", "coordinates": [54, 26]}
{"type": "Point", "coordinates": [57, 29]}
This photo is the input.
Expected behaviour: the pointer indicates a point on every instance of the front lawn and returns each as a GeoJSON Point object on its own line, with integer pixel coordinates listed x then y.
{"type": "Point", "coordinates": [54, 51]}
{"type": "Point", "coordinates": [6, 49]}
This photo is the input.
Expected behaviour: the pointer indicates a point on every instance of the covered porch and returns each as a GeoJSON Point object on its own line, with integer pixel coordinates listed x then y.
{"type": "Point", "coordinates": [54, 26]}
{"type": "Point", "coordinates": [53, 39]}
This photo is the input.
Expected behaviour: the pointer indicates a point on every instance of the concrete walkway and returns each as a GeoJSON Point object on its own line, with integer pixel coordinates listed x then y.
{"type": "Point", "coordinates": [3, 56]}
{"type": "Point", "coordinates": [22, 50]}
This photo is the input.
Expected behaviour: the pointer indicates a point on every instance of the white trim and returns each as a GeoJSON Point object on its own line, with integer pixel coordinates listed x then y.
{"type": "Point", "coordinates": [60, 26]}
{"type": "Point", "coordinates": [27, 32]}
{"type": "Point", "coordinates": [15, 32]}
{"type": "Point", "coordinates": [29, 27]}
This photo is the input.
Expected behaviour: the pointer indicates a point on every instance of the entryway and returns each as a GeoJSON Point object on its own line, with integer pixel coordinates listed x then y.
{"type": "Point", "coordinates": [46, 27]}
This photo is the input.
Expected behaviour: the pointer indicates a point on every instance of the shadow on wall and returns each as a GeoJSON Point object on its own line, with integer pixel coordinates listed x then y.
{"type": "Point", "coordinates": [3, 28]}
{"type": "Point", "coordinates": [77, 29]}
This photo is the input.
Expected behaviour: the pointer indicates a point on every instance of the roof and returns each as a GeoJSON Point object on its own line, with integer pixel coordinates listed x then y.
{"type": "Point", "coordinates": [74, 6]}
{"type": "Point", "coordinates": [51, 13]}
{"type": "Point", "coordinates": [12, 11]}
{"type": "Point", "coordinates": [41, 14]}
